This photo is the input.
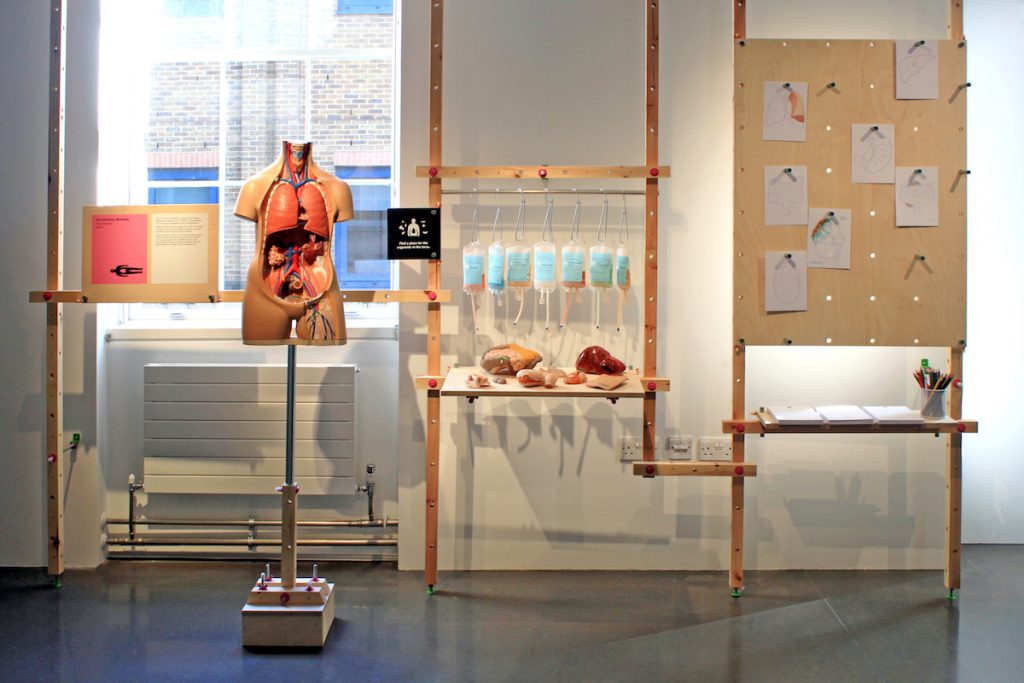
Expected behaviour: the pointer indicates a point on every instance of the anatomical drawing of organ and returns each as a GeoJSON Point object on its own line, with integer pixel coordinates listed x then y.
{"type": "Point", "coordinates": [291, 280]}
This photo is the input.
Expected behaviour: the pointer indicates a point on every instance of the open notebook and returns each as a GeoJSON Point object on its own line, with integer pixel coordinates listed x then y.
{"type": "Point", "coordinates": [795, 415]}
{"type": "Point", "coordinates": [894, 415]}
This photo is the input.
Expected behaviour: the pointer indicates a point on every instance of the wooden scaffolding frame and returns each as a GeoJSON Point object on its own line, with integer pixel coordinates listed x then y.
{"type": "Point", "coordinates": [951, 331]}
{"type": "Point", "coordinates": [55, 296]}
{"type": "Point", "coordinates": [436, 172]}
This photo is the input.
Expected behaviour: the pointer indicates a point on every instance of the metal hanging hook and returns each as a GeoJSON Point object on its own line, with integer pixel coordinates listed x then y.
{"type": "Point", "coordinates": [574, 226]}
{"type": "Point", "coordinates": [623, 223]}
{"type": "Point", "coordinates": [497, 229]}
{"type": "Point", "coordinates": [520, 233]}
{"type": "Point", "coordinates": [545, 233]}
{"type": "Point", "coordinates": [602, 223]}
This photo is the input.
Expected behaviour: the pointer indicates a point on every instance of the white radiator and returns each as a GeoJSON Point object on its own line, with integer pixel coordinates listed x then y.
{"type": "Point", "coordinates": [221, 428]}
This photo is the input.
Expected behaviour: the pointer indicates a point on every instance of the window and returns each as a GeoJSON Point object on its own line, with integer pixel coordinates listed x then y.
{"type": "Point", "coordinates": [201, 100]}
{"type": "Point", "coordinates": [365, 6]}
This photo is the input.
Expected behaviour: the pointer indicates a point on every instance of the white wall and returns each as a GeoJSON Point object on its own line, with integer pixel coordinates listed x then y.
{"type": "Point", "coordinates": [537, 484]}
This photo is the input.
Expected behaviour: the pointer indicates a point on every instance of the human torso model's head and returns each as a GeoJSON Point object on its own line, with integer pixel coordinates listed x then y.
{"type": "Point", "coordinates": [292, 279]}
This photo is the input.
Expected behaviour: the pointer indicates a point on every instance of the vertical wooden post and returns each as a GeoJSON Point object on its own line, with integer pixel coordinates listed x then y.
{"type": "Point", "coordinates": [954, 475]}
{"type": "Point", "coordinates": [289, 563]}
{"type": "Point", "coordinates": [434, 308]}
{"type": "Point", "coordinates": [955, 19]}
{"type": "Point", "coordinates": [651, 230]}
{"type": "Point", "coordinates": [54, 311]}
{"type": "Point", "coordinates": [739, 19]}
{"type": "Point", "coordinates": [739, 364]}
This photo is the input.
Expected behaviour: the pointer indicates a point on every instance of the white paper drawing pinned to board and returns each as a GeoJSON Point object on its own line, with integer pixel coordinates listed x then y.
{"type": "Point", "coordinates": [828, 238]}
{"type": "Point", "coordinates": [917, 196]}
{"type": "Point", "coordinates": [917, 70]}
{"type": "Point", "coordinates": [785, 195]}
{"type": "Point", "coordinates": [785, 111]}
{"type": "Point", "coordinates": [872, 152]}
{"type": "Point", "coordinates": [785, 281]}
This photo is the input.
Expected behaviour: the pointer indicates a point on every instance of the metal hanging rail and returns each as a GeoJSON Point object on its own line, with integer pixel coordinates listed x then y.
{"type": "Point", "coordinates": [639, 193]}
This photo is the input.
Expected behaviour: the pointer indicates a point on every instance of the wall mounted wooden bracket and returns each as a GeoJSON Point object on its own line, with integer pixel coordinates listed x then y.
{"type": "Point", "coordinates": [766, 426]}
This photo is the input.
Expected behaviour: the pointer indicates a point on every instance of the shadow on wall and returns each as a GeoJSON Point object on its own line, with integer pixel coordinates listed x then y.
{"type": "Point", "coordinates": [843, 518]}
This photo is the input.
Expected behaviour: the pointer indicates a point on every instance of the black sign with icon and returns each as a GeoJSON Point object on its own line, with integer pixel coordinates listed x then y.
{"type": "Point", "coordinates": [414, 234]}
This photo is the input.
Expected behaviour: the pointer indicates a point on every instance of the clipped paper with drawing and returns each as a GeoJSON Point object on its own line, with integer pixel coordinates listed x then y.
{"type": "Point", "coordinates": [785, 195]}
{"type": "Point", "coordinates": [785, 281]}
{"type": "Point", "coordinates": [872, 152]}
{"type": "Point", "coordinates": [785, 111]}
{"type": "Point", "coordinates": [917, 70]}
{"type": "Point", "coordinates": [917, 196]}
{"type": "Point", "coordinates": [828, 238]}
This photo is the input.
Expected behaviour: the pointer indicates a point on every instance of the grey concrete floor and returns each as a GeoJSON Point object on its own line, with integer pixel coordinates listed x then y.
{"type": "Point", "coordinates": [156, 621]}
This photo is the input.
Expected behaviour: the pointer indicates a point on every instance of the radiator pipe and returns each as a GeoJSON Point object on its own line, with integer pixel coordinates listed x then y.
{"type": "Point", "coordinates": [237, 522]}
{"type": "Point", "coordinates": [132, 488]}
{"type": "Point", "coordinates": [326, 542]}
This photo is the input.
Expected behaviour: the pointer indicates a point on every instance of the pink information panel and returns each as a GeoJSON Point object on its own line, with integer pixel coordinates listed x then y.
{"type": "Point", "coordinates": [120, 249]}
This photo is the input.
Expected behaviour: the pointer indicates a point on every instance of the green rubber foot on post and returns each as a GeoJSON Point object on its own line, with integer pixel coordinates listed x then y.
{"type": "Point", "coordinates": [737, 592]}
{"type": "Point", "coordinates": [57, 583]}
{"type": "Point", "coordinates": [952, 595]}
{"type": "Point", "coordinates": [430, 590]}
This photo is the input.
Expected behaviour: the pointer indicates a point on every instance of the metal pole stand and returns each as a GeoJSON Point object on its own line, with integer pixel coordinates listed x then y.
{"type": "Point", "coordinates": [288, 611]}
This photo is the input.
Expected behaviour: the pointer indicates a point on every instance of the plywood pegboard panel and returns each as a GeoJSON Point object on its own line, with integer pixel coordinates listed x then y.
{"type": "Point", "coordinates": [916, 302]}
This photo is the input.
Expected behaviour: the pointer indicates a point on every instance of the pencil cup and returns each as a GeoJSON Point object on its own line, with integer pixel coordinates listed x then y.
{"type": "Point", "coordinates": [933, 404]}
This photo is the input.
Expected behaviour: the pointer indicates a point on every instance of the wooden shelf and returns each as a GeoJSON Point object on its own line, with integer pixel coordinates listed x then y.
{"type": "Point", "coordinates": [362, 296]}
{"type": "Point", "coordinates": [693, 468]}
{"type": "Point", "coordinates": [764, 424]}
{"type": "Point", "coordinates": [454, 384]}
{"type": "Point", "coordinates": [543, 172]}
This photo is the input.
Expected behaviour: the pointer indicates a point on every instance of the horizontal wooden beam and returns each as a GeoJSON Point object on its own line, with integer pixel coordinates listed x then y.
{"type": "Point", "coordinates": [927, 427]}
{"type": "Point", "coordinates": [693, 468]}
{"type": "Point", "coordinates": [362, 296]}
{"type": "Point", "coordinates": [543, 172]}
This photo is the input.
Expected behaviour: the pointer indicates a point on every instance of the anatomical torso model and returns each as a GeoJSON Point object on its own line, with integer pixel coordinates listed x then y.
{"type": "Point", "coordinates": [295, 205]}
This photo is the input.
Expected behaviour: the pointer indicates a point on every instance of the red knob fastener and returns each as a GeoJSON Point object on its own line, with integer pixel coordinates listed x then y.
{"type": "Point", "coordinates": [47, 296]}
{"type": "Point", "coordinates": [739, 471]}
{"type": "Point", "coordinates": [649, 469]}
{"type": "Point", "coordinates": [957, 384]}
{"type": "Point", "coordinates": [432, 383]}
{"type": "Point", "coordinates": [961, 428]}
{"type": "Point", "coordinates": [741, 428]}
{"type": "Point", "coordinates": [433, 171]}
{"type": "Point", "coordinates": [286, 598]}
{"type": "Point", "coordinates": [432, 296]}
{"type": "Point", "coordinates": [654, 171]}
{"type": "Point", "coordinates": [543, 173]}
{"type": "Point", "coordinates": [52, 457]}
{"type": "Point", "coordinates": [651, 386]}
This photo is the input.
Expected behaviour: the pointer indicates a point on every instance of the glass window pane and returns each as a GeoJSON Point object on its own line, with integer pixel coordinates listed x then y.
{"type": "Point", "coordinates": [266, 104]}
{"type": "Point", "coordinates": [187, 25]}
{"type": "Point", "coordinates": [270, 25]}
{"type": "Point", "coordinates": [351, 112]}
{"type": "Point", "coordinates": [360, 244]}
{"type": "Point", "coordinates": [331, 29]}
{"type": "Point", "coordinates": [238, 243]}
{"type": "Point", "coordinates": [184, 115]}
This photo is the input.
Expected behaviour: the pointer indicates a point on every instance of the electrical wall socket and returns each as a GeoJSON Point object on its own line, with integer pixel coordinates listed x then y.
{"type": "Point", "coordinates": [630, 448]}
{"type": "Point", "coordinates": [714, 448]}
{"type": "Point", "coordinates": [680, 447]}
